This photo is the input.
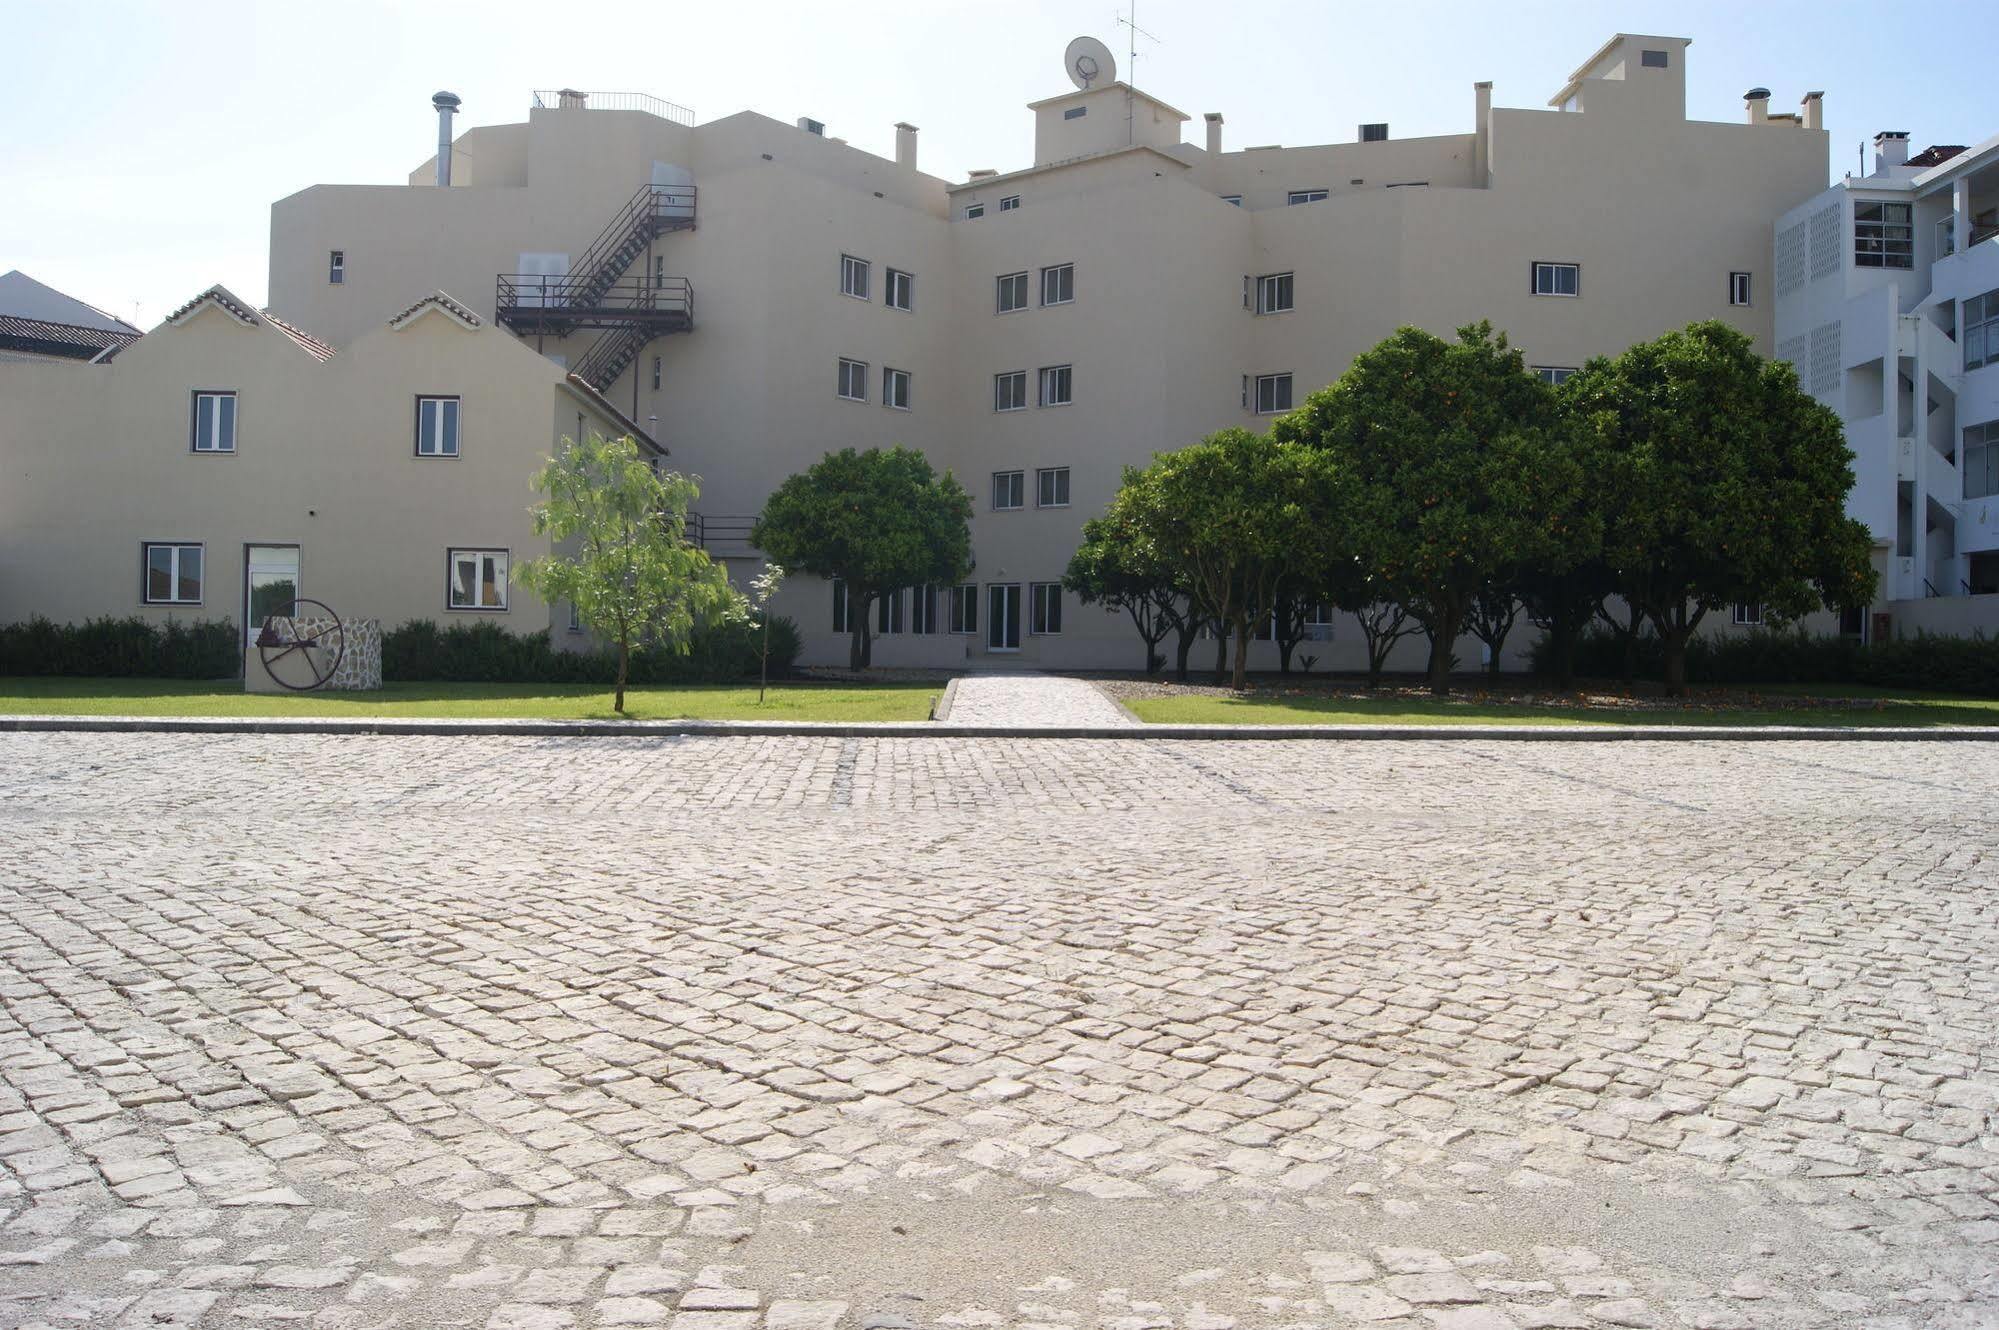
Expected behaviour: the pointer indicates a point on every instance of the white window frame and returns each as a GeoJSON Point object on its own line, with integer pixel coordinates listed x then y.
{"type": "Point", "coordinates": [854, 276]}
{"type": "Point", "coordinates": [1746, 615]}
{"type": "Point", "coordinates": [888, 613]}
{"type": "Point", "coordinates": [336, 267]}
{"type": "Point", "coordinates": [1054, 377]}
{"type": "Point", "coordinates": [923, 611]}
{"type": "Point", "coordinates": [1554, 268]}
{"type": "Point", "coordinates": [899, 290]}
{"type": "Point", "coordinates": [208, 401]}
{"type": "Point", "coordinates": [1554, 375]}
{"type": "Point", "coordinates": [843, 607]}
{"type": "Point", "coordinates": [1297, 196]}
{"type": "Point", "coordinates": [1062, 277]}
{"type": "Point", "coordinates": [1012, 284]}
{"type": "Point", "coordinates": [502, 560]}
{"type": "Point", "coordinates": [1273, 380]}
{"type": "Point", "coordinates": [176, 550]}
{"type": "Point", "coordinates": [1010, 384]}
{"type": "Point", "coordinates": [1980, 314]}
{"type": "Point", "coordinates": [1980, 459]}
{"type": "Point", "coordinates": [1275, 293]}
{"type": "Point", "coordinates": [974, 211]}
{"type": "Point", "coordinates": [1015, 483]}
{"type": "Point", "coordinates": [1739, 289]}
{"type": "Point", "coordinates": [964, 619]}
{"type": "Point", "coordinates": [1319, 621]}
{"type": "Point", "coordinates": [1235, 199]}
{"type": "Point", "coordinates": [853, 368]}
{"type": "Point", "coordinates": [1009, 202]}
{"type": "Point", "coordinates": [445, 409]}
{"type": "Point", "coordinates": [895, 384]}
{"type": "Point", "coordinates": [1051, 487]}
{"type": "Point", "coordinates": [1885, 241]}
{"type": "Point", "coordinates": [1042, 598]}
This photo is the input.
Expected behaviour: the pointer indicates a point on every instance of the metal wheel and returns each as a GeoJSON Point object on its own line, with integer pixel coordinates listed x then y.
{"type": "Point", "coordinates": [317, 649]}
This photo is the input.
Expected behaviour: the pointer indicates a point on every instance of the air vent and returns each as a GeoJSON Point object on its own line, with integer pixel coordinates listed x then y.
{"type": "Point", "coordinates": [1373, 133]}
{"type": "Point", "coordinates": [812, 126]}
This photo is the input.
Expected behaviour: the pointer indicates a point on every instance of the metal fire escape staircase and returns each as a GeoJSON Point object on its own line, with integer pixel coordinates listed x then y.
{"type": "Point", "coordinates": [601, 292]}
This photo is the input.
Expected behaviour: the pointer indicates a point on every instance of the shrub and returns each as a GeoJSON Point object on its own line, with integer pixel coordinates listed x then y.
{"type": "Point", "coordinates": [422, 650]}
{"type": "Point", "coordinates": [1923, 662]}
{"type": "Point", "coordinates": [123, 648]}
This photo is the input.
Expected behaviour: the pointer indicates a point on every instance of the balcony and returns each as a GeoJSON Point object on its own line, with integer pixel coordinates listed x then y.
{"type": "Point", "coordinates": [571, 99]}
{"type": "Point", "coordinates": [557, 306]}
{"type": "Point", "coordinates": [723, 536]}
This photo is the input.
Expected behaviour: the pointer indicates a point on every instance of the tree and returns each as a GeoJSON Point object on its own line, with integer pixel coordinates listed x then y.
{"type": "Point", "coordinates": [1494, 608]}
{"type": "Point", "coordinates": [1735, 484]}
{"type": "Point", "coordinates": [1113, 567]}
{"type": "Point", "coordinates": [629, 572]}
{"type": "Point", "coordinates": [877, 521]}
{"type": "Point", "coordinates": [1383, 623]}
{"type": "Point", "coordinates": [763, 590]}
{"type": "Point", "coordinates": [1441, 449]}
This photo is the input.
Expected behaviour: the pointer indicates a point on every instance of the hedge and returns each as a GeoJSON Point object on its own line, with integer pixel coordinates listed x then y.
{"type": "Point", "coordinates": [123, 648]}
{"type": "Point", "coordinates": [422, 651]}
{"type": "Point", "coordinates": [1923, 662]}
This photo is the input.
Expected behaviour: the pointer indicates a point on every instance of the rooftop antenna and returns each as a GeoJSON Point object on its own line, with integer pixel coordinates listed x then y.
{"type": "Point", "coordinates": [1132, 33]}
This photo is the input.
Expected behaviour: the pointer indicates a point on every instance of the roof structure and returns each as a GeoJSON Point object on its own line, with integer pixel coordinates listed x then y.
{"type": "Point", "coordinates": [442, 303]}
{"type": "Point", "coordinates": [39, 320]}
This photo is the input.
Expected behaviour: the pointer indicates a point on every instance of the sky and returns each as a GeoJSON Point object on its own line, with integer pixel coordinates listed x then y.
{"type": "Point", "coordinates": [142, 144]}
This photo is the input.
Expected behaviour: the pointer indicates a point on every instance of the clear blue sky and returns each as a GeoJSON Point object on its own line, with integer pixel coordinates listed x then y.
{"type": "Point", "coordinates": [143, 144]}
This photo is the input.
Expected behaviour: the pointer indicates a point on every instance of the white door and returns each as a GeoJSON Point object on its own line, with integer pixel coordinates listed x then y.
{"type": "Point", "coordinates": [543, 266]}
{"type": "Point", "coordinates": [678, 182]}
{"type": "Point", "coordinates": [1003, 617]}
{"type": "Point", "coordinates": [270, 583]}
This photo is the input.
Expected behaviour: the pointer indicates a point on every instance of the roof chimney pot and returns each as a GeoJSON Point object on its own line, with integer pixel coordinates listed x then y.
{"type": "Point", "coordinates": [905, 145]}
{"type": "Point", "coordinates": [1214, 119]}
{"type": "Point", "coordinates": [447, 104]}
{"type": "Point", "coordinates": [1756, 106]}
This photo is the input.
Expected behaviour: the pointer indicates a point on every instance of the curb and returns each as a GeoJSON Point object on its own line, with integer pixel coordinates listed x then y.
{"type": "Point", "coordinates": [919, 729]}
{"type": "Point", "coordinates": [942, 712]}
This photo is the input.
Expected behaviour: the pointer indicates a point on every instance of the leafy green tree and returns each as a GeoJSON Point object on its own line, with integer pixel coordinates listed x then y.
{"type": "Point", "coordinates": [621, 557]}
{"type": "Point", "coordinates": [1443, 450]}
{"type": "Point", "coordinates": [763, 590]}
{"type": "Point", "coordinates": [877, 521]}
{"type": "Point", "coordinates": [1114, 567]}
{"type": "Point", "coordinates": [1494, 610]}
{"type": "Point", "coordinates": [1735, 485]}
{"type": "Point", "coordinates": [1383, 623]}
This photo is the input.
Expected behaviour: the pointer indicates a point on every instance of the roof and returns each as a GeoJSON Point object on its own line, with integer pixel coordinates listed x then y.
{"type": "Point", "coordinates": [580, 387]}
{"type": "Point", "coordinates": [440, 302]}
{"type": "Point", "coordinates": [313, 347]}
{"type": "Point", "coordinates": [22, 297]}
{"type": "Point", "coordinates": [1936, 154]}
{"type": "Point", "coordinates": [1039, 167]}
{"type": "Point", "coordinates": [1584, 68]}
{"type": "Point", "coordinates": [41, 337]}
{"type": "Point", "coordinates": [1108, 87]}
{"type": "Point", "coordinates": [223, 299]}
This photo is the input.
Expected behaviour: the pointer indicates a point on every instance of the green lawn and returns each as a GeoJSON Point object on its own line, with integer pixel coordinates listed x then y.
{"type": "Point", "coordinates": [470, 701]}
{"type": "Point", "coordinates": [1834, 705]}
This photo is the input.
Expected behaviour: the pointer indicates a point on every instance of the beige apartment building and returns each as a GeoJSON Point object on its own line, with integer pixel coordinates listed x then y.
{"type": "Point", "coordinates": [754, 293]}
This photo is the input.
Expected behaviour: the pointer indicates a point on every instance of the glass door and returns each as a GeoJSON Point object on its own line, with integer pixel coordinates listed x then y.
{"type": "Point", "coordinates": [270, 583]}
{"type": "Point", "coordinates": [1003, 617]}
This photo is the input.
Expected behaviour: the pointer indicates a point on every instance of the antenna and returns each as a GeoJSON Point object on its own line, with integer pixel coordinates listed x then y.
{"type": "Point", "coordinates": [1132, 33]}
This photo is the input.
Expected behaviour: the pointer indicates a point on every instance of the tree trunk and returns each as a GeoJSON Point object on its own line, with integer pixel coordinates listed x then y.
{"type": "Point", "coordinates": [1221, 653]}
{"type": "Point", "coordinates": [1284, 650]}
{"type": "Point", "coordinates": [1563, 634]}
{"type": "Point", "coordinates": [624, 662]}
{"type": "Point", "coordinates": [1442, 638]}
{"type": "Point", "coordinates": [1675, 642]}
{"type": "Point", "coordinates": [1241, 680]}
{"type": "Point", "coordinates": [1185, 649]}
{"type": "Point", "coordinates": [1498, 643]}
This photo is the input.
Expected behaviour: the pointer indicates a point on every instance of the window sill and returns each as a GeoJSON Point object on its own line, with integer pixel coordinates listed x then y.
{"type": "Point", "coordinates": [844, 398]}
{"type": "Point", "coordinates": [212, 452]}
{"type": "Point", "coordinates": [477, 609]}
{"type": "Point", "coordinates": [435, 457]}
{"type": "Point", "coordinates": [171, 604]}
{"type": "Point", "coordinates": [1051, 505]}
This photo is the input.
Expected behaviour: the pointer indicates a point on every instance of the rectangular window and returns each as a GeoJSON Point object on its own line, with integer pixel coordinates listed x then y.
{"type": "Point", "coordinates": [1981, 330]}
{"type": "Point", "coordinates": [1058, 284]}
{"type": "Point", "coordinates": [1075, 113]}
{"type": "Point", "coordinates": [1557, 279]}
{"type": "Point", "coordinates": [1044, 615]}
{"type": "Point", "coordinates": [1304, 196]}
{"type": "Point", "coordinates": [1012, 292]}
{"type": "Point", "coordinates": [659, 270]}
{"type": "Point", "coordinates": [1010, 391]}
{"type": "Point", "coordinates": [1748, 615]}
{"type": "Point", "coordinates": [437, 427]}
{"type": "Point", "coordinates": [657, 368]}
{"type": "Point", "coordinates": [478, 580]}
{"type": "Point", "coordinates": [1981, 460]}
{"type": "Point", "coordinates": [1056, 384]}
{"type": "Point", "coordinates": [965, 608]}
{"type": "Point", "coordinates": [974, 211]}
{"type": "Point", "coordinates": [840, 606]}
{"type": "Point", "coordinates": [1883, 235]}
{"type": "Point", "coordinates": [1319, 621]}
{"type": "Point", "coordinates": [1273, 394]}
{"type": "Point", "coordinates": [1235, 199]}
{"type": "Point", "coordinates": [1273, 293]}
{"type": "Point", "coordinates": [213, 428]}
{"type": "Point", "coordinates": [1009, 491]}
{"type": "Point", "coordinates": [854, 380]}
{"type": "Point", "coordinates": [1051, 487]}
{"type": "Point", "coordinates": [1555, 375]}
{"type": "Point", "coordinates": [1009, 203]}
{"type": "Point", "coordinates": [899, 290]}
{"type": "Point", "coordinates": [923, 610]}
{"type": "Point", "coordinates": [888, 613]}
{"type": "Point", "coordinates": [1738, 288]}
{"type": "Point", "coordinates": [336, 267]}
{"type": "Point", "coordinates": [853, 277]}
{"type": "Point", "coordinates": [1652, 59]}
{"type": "Point", "coordinates": [172, 574]}
{"type": "Point", "coordinates": [895, 388]}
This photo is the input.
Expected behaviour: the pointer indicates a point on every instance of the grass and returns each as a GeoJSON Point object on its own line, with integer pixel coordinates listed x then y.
{"type": "Point", "coordinates": [470, 701]}
{"type": "Point", "coordinates": [1796, 704]}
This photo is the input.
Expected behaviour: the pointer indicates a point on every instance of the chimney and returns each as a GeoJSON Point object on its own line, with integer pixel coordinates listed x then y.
{"type": "Point", "coordinates": [1481, 128]}
{"type": "Point", "coordinates": [1756, 106]}
{"type": "Point", "coordinates": [569, 99]}
{"type": "Point", "coordinates": [447, 104]}
{"type": "Point", "coordinates": [1891, 148]}
{"type": "Point", "coordinates": [905, 145]}
{"type": "Point", "coordinates": [1214, 119]}
{"type": "Point", "coordinates": [1813, 110]}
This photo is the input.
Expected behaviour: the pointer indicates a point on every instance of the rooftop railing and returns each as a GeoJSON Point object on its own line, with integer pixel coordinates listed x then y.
{"type": "Point", "coordinates": [553, 99]}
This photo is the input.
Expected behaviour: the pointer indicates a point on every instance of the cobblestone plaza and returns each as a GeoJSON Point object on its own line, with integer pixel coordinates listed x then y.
{"type": "Point", "coordinates": [893, 1034]}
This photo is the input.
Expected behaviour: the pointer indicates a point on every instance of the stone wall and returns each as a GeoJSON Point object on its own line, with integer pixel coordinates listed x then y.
{"type": "Point", "coordinates": [360, 663]}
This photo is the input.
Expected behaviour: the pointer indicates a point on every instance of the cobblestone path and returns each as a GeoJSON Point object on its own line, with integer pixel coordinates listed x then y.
{"type": "Point", "coordinates": [1033, 699]}
{"type": "Point", "coordinates": [820, 1034]}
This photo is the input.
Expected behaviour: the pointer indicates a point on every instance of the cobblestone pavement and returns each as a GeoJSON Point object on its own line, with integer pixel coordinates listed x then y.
{"type": "Point", "coordinates": [1033, 699]}
{"type": "Point", "coordinates": [797, 1034]}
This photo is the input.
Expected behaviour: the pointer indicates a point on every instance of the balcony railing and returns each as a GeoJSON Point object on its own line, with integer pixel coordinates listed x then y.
{"type": "Point", "coordinates": [721, 535]}
{"type": "Point", "coordinates": [538, 302]}
{"type": "Point", "coordinates": [565, 99]}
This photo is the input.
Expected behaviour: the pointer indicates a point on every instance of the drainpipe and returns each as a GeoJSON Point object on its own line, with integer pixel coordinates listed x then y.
{"type": "Point", "coordinates": [447, 104]}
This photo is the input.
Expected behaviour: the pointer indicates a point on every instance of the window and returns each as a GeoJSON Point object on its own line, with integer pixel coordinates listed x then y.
{"type": "Point", "coordinates": [965, 608]}
{"type": "Point", "coordinates": [923, 610]}
{"type": "Point", "coordinates": [172, 574]}
{"type": "Point", "coordinates": [1556, 279]}
{"type": "Point", "coordinates": [1236, 199]}
{"type": "Point", "coordinates": [900, 290]}
{"type": "Point", "coordinates": [659, 270]}
{"type": "Point", "coordinates": [1652, 59]}
{"type": "Point", "coordinates": [1273, 293]}
{"type": "Point", "coordinates": [974, 211]}
{"type": "Point", "coordinates": [1304, 196]}
{"type": "Point", "coordinates": [1058, 284]}
{"type": "Point", "coordinates": [1009, 490]}
{"type": "Point", "coordinates": [1981, 460]}
{"type": "Point", "coordinates": [437, 427]}
{"type": "Point", "coordinates": [1010, 391]}
{"type": "Point", "coordinates": [1009, 203]}
{"type": "Point", "coordinates": [1273, 394]}
{"type": "Point", "coordinates": [1319, 621]}
{"type": "Point", "coordinates": [1981, 330]}
{"type": "Point", "coordinates": [1738, 288]}
{"type": "Point", "coordinates": [1051, 487]}
{"type": "Point", "coordinates": [854, 380]}
{"type": "Point", "coordinates": [336, 267]}
{"type": "Point", "coordinates": [1075, 113]}
{"type": "Point", "coordinates": [1056, 382]}
{"type": "Point", "coordinates": [1555, 375]}
{"type": "Point", "coordinates": [1748, 615]}
{"type": "Point", "coordinates": [657, 367]}
{"type": "Point", "coordinates": [1883, 236]}
{"type": "Point", "coordinates": [1012, 292]}
{"type": "Point", "coordinates": [888, 613]}
{"type": "Point", "coordinates": [478, 580]}
{"type": "Point", "coordinates": [213, 428]}
{"type": "Point", "coordinates": [1044, 612]}
{"type": "Point", "coordinates": [895, 388]}
{"type": "Point", "coordinates": [840, 606]}
{"type": "Point", "coordinates": [853, 277]}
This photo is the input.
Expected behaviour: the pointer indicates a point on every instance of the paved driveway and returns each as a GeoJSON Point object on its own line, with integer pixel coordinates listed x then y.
{"type": "Point", "coordinates": [788, 1034]}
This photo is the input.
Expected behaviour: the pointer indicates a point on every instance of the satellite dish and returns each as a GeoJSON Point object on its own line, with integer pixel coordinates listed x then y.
{"type": "Point", "coordinates": [1089, 63]}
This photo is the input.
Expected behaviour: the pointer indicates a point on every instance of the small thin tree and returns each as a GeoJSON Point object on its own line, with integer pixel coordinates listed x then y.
{"type": "Point", "coordinates": [763, 590]}
{"type": "Point", "coordinates": [621, 555]}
